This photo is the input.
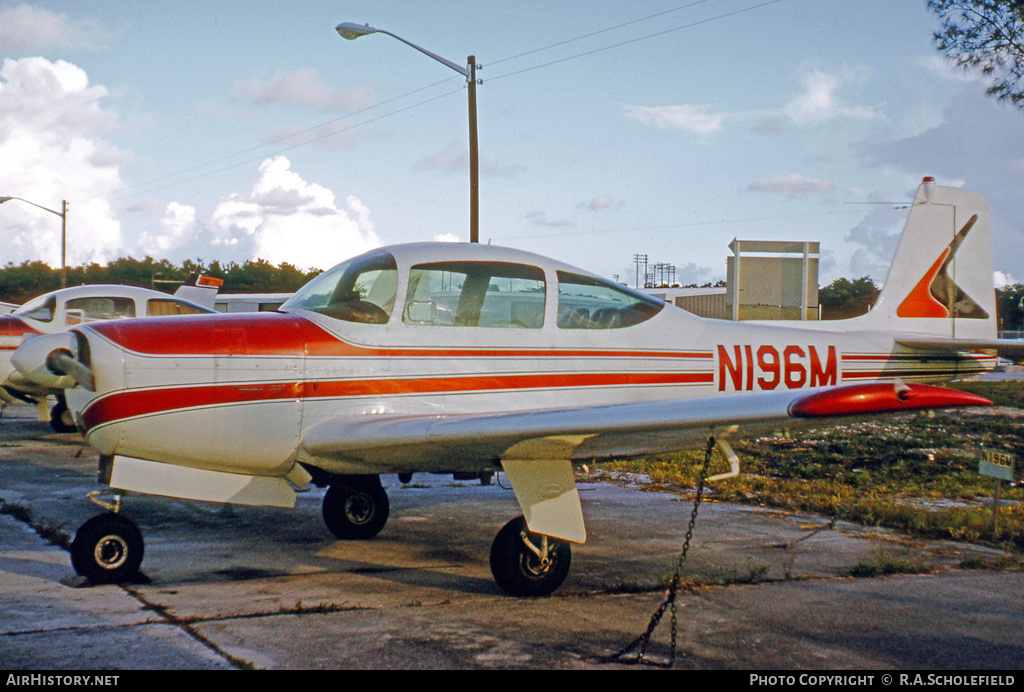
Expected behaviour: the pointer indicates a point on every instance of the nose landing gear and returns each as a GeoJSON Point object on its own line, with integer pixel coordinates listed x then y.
{"type": "Point", "coordinates": [107, 549]}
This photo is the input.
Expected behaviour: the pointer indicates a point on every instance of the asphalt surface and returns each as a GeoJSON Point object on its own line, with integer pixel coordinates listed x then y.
{"type": "Point", "coordinates": [245, 587]}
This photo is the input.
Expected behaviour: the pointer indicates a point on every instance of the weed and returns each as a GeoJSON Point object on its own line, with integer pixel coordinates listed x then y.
{"type": "Point", "coordinates": [917, 473]}
{"type": "Point", "coordinates": [887, 564]}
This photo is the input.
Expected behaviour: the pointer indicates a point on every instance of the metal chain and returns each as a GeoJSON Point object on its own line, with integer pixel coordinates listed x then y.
{"type": "Point", "coordinates": [644, 639]}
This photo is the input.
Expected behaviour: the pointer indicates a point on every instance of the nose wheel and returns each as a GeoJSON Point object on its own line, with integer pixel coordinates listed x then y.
{"type": "Point", "coordinates": [528, 564]}
{"type": "Point", "coordinates": [107, 549]}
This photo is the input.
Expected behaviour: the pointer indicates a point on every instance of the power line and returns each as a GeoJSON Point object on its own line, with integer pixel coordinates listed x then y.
{"type": "Point", "coordinates": [278, 151]}
{"type": "Point", "coordinates": [638, 39]}
{"type": "Point", "coordinates": [147, 187]}
{"type": "Point", "coordinates": [692, 224]}
{"type": "Point", "coordinates": [595, 33]}
{"type": "Point", "coordinates": [296, 134]}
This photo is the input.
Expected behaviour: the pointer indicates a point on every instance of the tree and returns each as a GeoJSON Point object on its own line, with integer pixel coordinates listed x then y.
{"type": "Point", "coordinates": [986, 35]}
{"type": "Point", "coordinates": [844, 298]}
{"type": "Point", "coordinates": [1010, 308]}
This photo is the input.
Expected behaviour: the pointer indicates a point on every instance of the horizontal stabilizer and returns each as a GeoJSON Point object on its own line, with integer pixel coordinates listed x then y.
{"type": "Point", "coordinates": [1008, 348]}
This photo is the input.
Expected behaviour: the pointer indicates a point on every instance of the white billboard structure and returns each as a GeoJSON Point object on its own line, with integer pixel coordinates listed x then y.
{"type": "Point", "coordinates": [772, 280]}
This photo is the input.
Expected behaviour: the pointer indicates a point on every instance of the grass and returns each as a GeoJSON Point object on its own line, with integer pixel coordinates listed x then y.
{"type": "Point", "coordinates": [917, 473]}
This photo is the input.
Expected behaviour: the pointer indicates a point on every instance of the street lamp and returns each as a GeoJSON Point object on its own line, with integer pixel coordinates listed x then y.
{"type": "Point", "coordinates": [351, 32]}
{"type": "Point", "coordinates": [63, 214]}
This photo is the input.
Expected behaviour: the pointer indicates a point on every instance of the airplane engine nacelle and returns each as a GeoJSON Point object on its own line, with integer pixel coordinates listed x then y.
{"type": "Point", "coordinates": [32, 360]}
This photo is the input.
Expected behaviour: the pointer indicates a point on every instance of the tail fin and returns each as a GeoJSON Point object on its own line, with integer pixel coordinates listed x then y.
{"type": "Point", "coordinates": [940, 281]}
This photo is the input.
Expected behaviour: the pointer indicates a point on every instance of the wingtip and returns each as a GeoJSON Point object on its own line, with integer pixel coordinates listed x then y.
{"type": "Point", "coordinates": [881, 397]}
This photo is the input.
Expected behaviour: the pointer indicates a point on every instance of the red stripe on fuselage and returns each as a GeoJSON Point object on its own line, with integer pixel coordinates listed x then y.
{"type": "Point", "coordinates": [281, 334]}
{"type": "Point", "coordinates": [11, 326]}
{"type": "Point", "coordinates": [121, 405]}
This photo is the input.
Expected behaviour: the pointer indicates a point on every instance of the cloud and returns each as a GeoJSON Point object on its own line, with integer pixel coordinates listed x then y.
{"type": "Point", "coordinates": [691, 118]}
{"type": "Point", "coordinates": [540, 218]}
{"type": "Point", "coordinates": [27, 29]}
{"type": "Point", "coordinates": [876, 237]}
{"type": "Point", "coordinates": [454, 158]}
{"type": "Point", "coordinates": [817, 102]}
{"type": "Point", "coordinates": [938, 66]}
{"type": "Point", "coordinates": [1001, 280]}
{"type": "Point", "coordinates": [977, 146]}
{"type": "Point", "coordinates": [178, 226]}
{"type": "Point", "coordinates": [794, 185]}
{"type": "Point", "coordinates": [819, 99]}
{"type": "Point", "coordinates": [304, 87]}
{"type": "Point", "coordinates": [287, 219]}
{"type": "Point", "coordinates": [600, 203]}
{"type": "Point", "coordinates": [52, 124]}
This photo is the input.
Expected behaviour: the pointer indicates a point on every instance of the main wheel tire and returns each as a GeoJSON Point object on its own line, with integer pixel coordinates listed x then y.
{"type": "Point", "coordinates": [519, 571]}
{"type": "Point", "coordinates": [107, 549]}
{"type": "Point", "coordinates": [356, 507]}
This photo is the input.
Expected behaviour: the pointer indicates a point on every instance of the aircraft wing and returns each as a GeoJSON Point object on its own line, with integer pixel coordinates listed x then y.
{"type": "Point", "coordinates": [536, 448]}
{"type": "Point", "coordinates": [1008, 348]}
{"type": "Point", "coordinates": [501, 435]}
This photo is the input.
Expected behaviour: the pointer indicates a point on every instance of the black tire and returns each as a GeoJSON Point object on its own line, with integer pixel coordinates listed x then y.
{"type": "Point", "coordinates": [107, 549]}
{"type": "Point", "coordinates": [518, 570]}
{"type": "Point", "coordinates": [60, 417]}
{"type": "Point", "coordinates": [356, 507]}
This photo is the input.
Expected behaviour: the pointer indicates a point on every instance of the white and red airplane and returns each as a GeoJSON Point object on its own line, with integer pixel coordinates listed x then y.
{"type": "Point", "coordinates": [59, 310]}
{"type": "Point", "coordinates": [467, 358]}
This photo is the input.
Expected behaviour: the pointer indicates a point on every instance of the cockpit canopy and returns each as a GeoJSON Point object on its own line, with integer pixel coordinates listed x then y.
{"type": "Point", "coordinates": [469, 293]}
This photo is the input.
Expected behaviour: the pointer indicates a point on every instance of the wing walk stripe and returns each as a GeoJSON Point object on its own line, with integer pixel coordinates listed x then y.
{"type": "Point", "coordinates": [142, 402]}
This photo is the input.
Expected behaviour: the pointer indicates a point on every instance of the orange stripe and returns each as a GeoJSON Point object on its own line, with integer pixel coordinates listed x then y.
{"type": "Point", "coordinates": [131, 403]}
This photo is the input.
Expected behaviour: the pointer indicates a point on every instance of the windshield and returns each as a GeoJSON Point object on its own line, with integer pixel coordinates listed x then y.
{"type": "Point", "coordinates": [40, 309]}
{"type": "Point", "coordinates": [363, 289]}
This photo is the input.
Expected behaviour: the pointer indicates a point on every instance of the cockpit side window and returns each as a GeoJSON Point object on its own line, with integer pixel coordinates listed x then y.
{"type": "Point", "coordinates": [362, 289]}
{"type": "Point", "coordinates": [585, 302]}
{"type": "Point", "coordinates": [475, 294]}
{"type": "Point", "coordinates": [98, 308]}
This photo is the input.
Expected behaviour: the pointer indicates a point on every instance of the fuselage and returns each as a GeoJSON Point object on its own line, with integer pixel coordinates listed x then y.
{"type": "Point", "coordinates": [436, 329]}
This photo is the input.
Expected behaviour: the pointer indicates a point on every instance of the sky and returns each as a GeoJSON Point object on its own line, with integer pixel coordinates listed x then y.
{"type": "Point", "coordinates": [235, 131]}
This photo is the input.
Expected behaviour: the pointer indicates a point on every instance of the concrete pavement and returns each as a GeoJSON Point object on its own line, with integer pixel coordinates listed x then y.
{"type": "Point", "coordinates": [244, 587]}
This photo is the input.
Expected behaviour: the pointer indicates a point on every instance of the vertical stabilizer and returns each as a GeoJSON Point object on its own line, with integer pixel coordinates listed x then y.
{"type": "Point", "coordinates": [940, 281]}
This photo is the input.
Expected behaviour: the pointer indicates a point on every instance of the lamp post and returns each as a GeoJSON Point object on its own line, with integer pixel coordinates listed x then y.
{"type": "Point", "coordinates": [63, 214]}
{"type": "Point", "coordinates": [351, 32]}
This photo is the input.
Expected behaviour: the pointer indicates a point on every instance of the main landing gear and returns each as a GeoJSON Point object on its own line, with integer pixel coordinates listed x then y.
{"type": "Point", "coordinates": [356, 507]}
{"type": "Point", "coordinates": [528, 564]}
{"type": "Point", "coordinates": [522, 563]}
{"type": "Point", "coordinates": [108, 548]}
